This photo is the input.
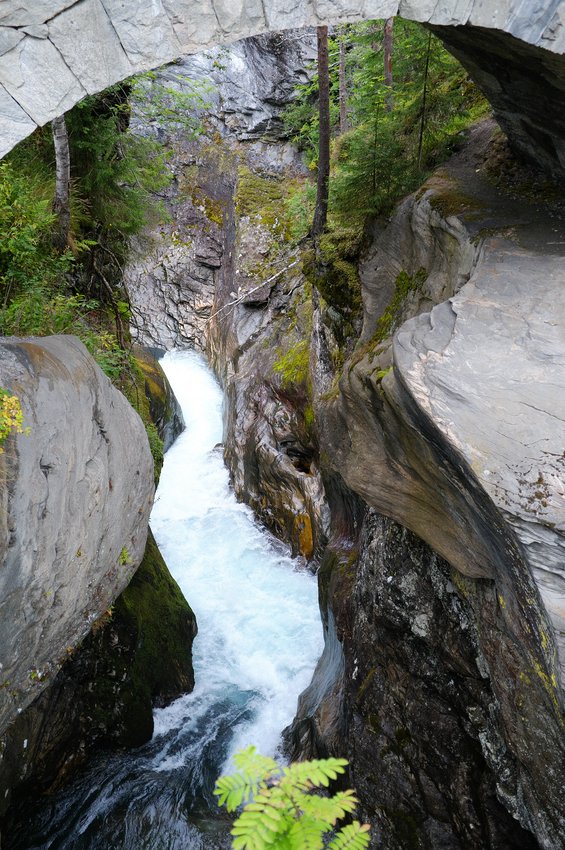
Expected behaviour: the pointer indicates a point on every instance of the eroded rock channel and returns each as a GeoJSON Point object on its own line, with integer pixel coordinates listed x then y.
{"type": "Point", "coordinates": [408, 443]}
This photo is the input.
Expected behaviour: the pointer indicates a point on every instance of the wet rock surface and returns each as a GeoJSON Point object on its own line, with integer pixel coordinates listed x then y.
{"type": "Point", "coordinates": [137, 655]}
{"type": "Point", "coordinates": [486, 368]}
{"type": "Point", "coordinates": [224, 284]}
{"type": "Point", "coordinates": [466, 392]}
{"type": "Point", "coordinates": [424, 723]}
{"type": "Point", "coordinates": [441, 666]}
{"type": "Point", "coordinates": [164, 410]}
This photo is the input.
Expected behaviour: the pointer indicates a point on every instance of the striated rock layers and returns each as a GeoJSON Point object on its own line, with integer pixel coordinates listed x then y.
{"type": "Point", "coordinates": [174, 273]}
{"type": "Point", "coordinates": [79, 489]}
{"type": "Point", "coordinates": [195, 284]}
{"type": "Point", "coordinates": [433, 445]}
{"type": "Point", "coordinates": [440, 679]}
{"type": "Point", "coordinates": [451, 703]}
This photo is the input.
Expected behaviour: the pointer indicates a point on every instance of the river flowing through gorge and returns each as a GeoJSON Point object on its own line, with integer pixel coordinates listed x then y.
{"type": "Point", "coordinates": [259, 639]}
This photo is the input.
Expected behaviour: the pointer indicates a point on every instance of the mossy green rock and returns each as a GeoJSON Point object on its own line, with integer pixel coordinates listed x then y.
{"type": "Point", "coordinates": [137, 656]}
{"type": "Point", "coordinates": [163, 409]}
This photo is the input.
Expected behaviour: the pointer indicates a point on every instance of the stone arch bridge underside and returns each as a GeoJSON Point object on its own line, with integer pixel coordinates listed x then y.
{"type": "Point", "coordinates": [55, 52]}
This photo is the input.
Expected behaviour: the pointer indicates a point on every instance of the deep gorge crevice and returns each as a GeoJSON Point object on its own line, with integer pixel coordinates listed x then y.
{"type": "Point", "coordinates": [440, 678]}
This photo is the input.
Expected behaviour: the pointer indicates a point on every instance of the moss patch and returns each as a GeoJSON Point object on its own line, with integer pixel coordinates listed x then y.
{"type": "Point", "coordinates": [293, 364]}
{"type": "Point", "coordinates": [154, 610]}
{"type": "Point", "coordinates": [146, 391]}
{"type": "Point", "coordinates": [404, 285]}
{"type": "Point", "coordinates": [213, 209]}
{"type": "Point", "coordinates": [450, 200]}
{"type": "Point", "coordinates": [334, 270]}
{"type": "Point", "coordinates": [262, 197]}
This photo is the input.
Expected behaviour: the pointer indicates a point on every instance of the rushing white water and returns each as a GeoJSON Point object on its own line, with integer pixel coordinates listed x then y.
{"type": "Point", "coordinates": [259, 626]}
{"type": "Point", "coordinates": [259, 639]}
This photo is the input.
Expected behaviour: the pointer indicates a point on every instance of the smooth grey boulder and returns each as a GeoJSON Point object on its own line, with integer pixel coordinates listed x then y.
{"type": "Point", "coordinates": [488, 368]}
{"type": "Point", "coordinates": [76, 495]}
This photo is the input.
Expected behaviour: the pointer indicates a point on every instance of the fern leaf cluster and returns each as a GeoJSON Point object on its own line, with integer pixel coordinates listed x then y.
{"type": "Point", "coordinates": [281, 810]}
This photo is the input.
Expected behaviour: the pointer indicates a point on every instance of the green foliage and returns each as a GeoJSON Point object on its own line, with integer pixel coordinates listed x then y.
{"type": "Point", "coordinates": [171, 107]}
{"type": "Point", "coordinates": [41, 310]}
{"type": "Point", "coordinates": [156, 446]}
{"type": "Point", "coordinates": [280, 810]}
{"type": "Point", "coordinates": [300, 203]}
{"type": "Point", "coordinates": [26, 220]}
{"type": "Point", "coordinates": [125, 557]}
{"type": "Point", "coordinates": [11, 416]}
{"type": "Point", "coordinates": [379, 159]}
{"type": "Point", "coordinates": [293, 364]}
{"type": "Point", "coordinates": [116, 173]}
{"type": "Point", "coordinates": [338, 278]}
{"type": "Point", "coordinates": [115, 178]}
{"type": "Point", "coordinates": [301, 119]}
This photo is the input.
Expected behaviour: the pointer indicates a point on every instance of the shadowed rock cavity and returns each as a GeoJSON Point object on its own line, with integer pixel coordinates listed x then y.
{"type": "Point", "coordinates": [524, 84]}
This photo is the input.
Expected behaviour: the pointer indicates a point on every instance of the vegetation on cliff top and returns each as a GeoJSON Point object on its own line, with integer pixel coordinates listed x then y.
{"type": "Point", "coordinates": [49, 288]}
{"type": "Point", "coordinates": [11, 417]}
{"type": "Point", "coordinates": [395, 112]}
{"type": "Point", "coordinates": [399, 125]}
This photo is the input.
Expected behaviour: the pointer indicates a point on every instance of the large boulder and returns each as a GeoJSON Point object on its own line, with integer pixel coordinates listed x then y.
{"type": "Point", "coordinates": [138, 655]}
{"type": "Point", "coordinates": [77, 491]}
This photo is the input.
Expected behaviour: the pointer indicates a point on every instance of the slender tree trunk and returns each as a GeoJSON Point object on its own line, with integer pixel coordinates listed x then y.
{"type": "Point", "coordinates": [61, 202]}
{"type": "Point", "coordinates": [343, 122]}
{"type": "Point", "coordinates": [387, 50]}
{"type": "Point", "coordinates": [375, 145]}
{"type": "Point", "coordinates": [321, 209]}
{"type": "Point", "coordinates": [424, 96]}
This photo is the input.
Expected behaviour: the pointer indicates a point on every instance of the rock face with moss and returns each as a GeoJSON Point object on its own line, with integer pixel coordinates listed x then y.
{"type": "Point", "coordinates": [137, 656]}
{"type": "Point", "coordinates": [440, 678]}
{"type": "Point", "coordinates": [449, 694]}
{"type": "Point", "coordinates": [233, 287]}
{"type": "Point", "coordinates": [163, 410]}
{"type": "Point", "coordinates": [79, 491]}
{"type": "Point", "coordinates": [174, 274]}
{"type": "Point", "coordinates": [270, 445]}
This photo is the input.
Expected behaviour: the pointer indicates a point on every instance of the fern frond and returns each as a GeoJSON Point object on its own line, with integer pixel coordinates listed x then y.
{"type": "Point", "coordinates": [315, 773]}
{"type": "Point", "coordinates": [354, 836]}
{"type": "Point", "coordinates": [232, 790]}
{"type": "Point", "coordinates": [281, 812]}
{"type": "Point", "coordinates": [329, 809]}
{"type": "Point", "coordinates": [261, 824]}
{"type": "Point", "coordinates": [254, 770]}
{"type": "Point", "coordinates": [307, 834]}
{"type": "Point", "coordinates": [249, 761]}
